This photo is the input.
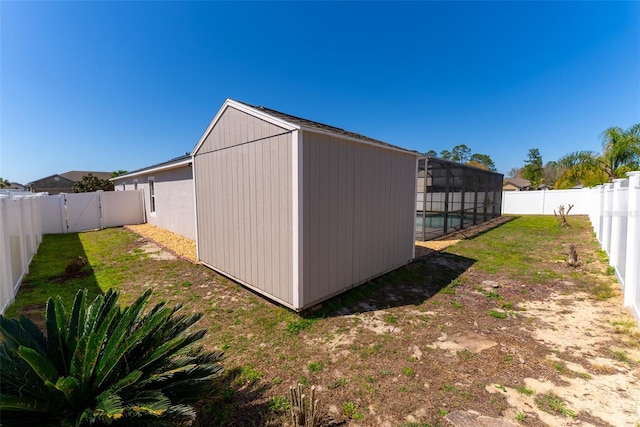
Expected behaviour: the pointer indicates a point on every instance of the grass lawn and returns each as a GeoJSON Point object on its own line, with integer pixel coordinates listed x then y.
{"type": "Point", "coordinates": [391, 351]}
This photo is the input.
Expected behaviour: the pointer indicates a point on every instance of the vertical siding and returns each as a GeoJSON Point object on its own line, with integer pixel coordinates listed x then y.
{"type": "Point", "coordinates": [358, 218]}
{"type": "Point", "coordinates": [243, 193]}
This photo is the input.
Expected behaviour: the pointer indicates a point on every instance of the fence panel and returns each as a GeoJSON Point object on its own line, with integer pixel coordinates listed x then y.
{"type": "Point", "coordinates": [52, 213]}
{"type": "Point", "coordinates": [544, 202]}
{"type": "Point", "coordinates": [83, 211]}
{"type": "Point", "coordinates": [632, 252]}
{"type": "Point", "coordinates": [20, 236]}
{"type": "Point", "coordinates": [121, 208]}
{"type": "Point", "coordinates": [619, 213]}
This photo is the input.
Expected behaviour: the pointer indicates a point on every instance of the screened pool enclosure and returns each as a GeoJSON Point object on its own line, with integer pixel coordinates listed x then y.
{"type": "Point", "coordinates": [452, 196]}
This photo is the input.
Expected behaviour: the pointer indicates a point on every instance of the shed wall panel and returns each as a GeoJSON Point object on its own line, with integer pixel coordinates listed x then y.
{"type": "Point", "coordinates": [358, 218]}
{"type": "Point", "coordinates": [243, 202]}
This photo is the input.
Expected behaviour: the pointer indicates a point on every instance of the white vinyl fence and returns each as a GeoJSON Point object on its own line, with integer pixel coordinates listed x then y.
{"type": "Point", "coordinates": [614, 211]}
{"type": "Point", "coordinates": [25, 217]}
{"type": "Point", "coordinates": [20, 236]}
{"type": "Point", "coordinates": [544, 202]}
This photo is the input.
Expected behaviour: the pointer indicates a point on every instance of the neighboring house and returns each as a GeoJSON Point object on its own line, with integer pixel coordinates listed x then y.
{"type": "Point", "coordinates": [168, 194]}
{"type": "Point", "coordinates": [62, 183]}
{"type": "Point", "coordinates": [17, 186]}
{"type": "Point", "coordinates": [516, 184]}
{"type": "Point", "coordinates": [297, 210]}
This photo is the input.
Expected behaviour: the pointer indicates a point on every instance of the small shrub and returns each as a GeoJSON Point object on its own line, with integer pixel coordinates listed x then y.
{"type": "Point", "coordinates": [350, 410]}
{"type": "Point", "coordinates": [248, 375]}
{"type": "Point", "coordinates": [99, 363]}
{"type": "Point", "coordinates": [408, 371]}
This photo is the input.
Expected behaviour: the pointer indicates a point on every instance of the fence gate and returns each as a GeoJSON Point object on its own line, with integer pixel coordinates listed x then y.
{"type": "Point", "coordinates": [83, 211]}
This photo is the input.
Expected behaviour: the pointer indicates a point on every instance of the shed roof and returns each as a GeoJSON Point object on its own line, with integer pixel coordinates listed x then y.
{"type": "Point", "coordinates": [299, 123]}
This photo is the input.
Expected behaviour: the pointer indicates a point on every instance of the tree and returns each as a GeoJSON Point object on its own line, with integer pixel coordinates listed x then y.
{"type": "Point", "coordinates": [483, 161]}
{"type": "Point", "coordinates": [621, 151]}
{"type": "Point", "coordinates": [620, 154]}
{"type": "Point", "coordinates": [533, 167]}
{"type": "Point", "coordinates": [460, 153]}
{"type": "Point", "coordinates": [445, 154]}
{"type": "Point", "coordinates": [118, 173]}
{"type": "Point", "coordinates": [431, 153]}
{"type": "Point", "coordinates": [551, 173]}
{"type": "Point", "coordinates": [580, 168]}
{"type": "Point", "coordinates": [92, 183]}
{"type": "Point", "coordinates": [515, 173]}
{"type": "Point", "coordinates": [4, 183]}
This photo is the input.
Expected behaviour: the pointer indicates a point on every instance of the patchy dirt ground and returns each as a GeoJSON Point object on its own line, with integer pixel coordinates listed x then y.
{"type": "Point", "coordinates": [435, 343]}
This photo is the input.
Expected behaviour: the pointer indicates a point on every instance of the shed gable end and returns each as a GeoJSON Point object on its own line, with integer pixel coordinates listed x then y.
{"type": "Point", "coordinates": [235, 127]}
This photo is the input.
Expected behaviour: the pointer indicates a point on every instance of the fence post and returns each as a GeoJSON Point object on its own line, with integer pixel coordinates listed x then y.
{"type": "Point", "coordinates": [608, 212]}
{"type": "Point", "coordinates": [619, 214]}
{"type": "Point", "coordinates": [600, 230]}
{"type": "Point", "coordinates": [632, 279]}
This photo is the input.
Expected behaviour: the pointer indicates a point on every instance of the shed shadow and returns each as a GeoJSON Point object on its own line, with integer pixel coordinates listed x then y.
{"type": "Point", "coordinates": [412, 284]}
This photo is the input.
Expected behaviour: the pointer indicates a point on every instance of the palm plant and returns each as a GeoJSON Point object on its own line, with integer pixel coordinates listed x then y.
{"type": "Point", "coordinates": [620, 154]}
{"type": "Point", "coordinates": [103, 364]}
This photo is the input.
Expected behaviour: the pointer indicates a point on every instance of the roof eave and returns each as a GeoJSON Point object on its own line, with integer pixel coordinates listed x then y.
{"type": "Point", "coordinates": [153, 169]}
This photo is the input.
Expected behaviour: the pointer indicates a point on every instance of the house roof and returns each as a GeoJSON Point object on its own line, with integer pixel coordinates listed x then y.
{"type": "Point", "coordinates": [517, 182]}
{"type": "Point", "coordinates": [77, 175]}
{"type": "Point", "coordinates": [169, 164]}
{"type": "Point", "coordinates": [294, 122]}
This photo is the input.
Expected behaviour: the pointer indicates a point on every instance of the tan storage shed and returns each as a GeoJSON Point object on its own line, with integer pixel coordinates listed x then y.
{"type": "Point", "coordinates": [297, 210]}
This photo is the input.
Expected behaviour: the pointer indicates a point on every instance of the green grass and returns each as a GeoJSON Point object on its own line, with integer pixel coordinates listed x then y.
{"type": "Point", "coordinates": [279, 403]}
{"type": "Point", "coordinates": [498, 314]}
{"type": "Point", "coordinates": [298, 325]}
{"type": "Point", "coordinates": [315, 366]}
{"type": "Point", "coordinates": [268, 346]}
{"type": "Point", "coordinates": [553, 404]}
{"type": "Point", "coordinates": [46, 270]}
{"type": "Point", "coordinates": [524, 390]}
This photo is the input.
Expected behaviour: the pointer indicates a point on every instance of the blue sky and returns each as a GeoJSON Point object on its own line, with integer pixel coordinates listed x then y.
{"type": "Point", "coordinates": [123, 85]}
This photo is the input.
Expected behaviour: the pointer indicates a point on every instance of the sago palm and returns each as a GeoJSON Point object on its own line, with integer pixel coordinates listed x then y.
{"type": "Point", "coordinates": [102, 364]}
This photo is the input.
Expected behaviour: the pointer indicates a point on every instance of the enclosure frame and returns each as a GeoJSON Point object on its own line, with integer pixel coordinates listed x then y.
{"type": "Point", "coordinates": [452, 196]}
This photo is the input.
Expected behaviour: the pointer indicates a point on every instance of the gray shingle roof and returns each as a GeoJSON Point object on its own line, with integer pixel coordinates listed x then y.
{"type": "Point", "coordinates": [311, 126]}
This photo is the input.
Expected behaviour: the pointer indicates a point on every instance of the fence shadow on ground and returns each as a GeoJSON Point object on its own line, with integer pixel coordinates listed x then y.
{"type": "Point", "coordinates": [412, 284]}
{"type": "Point", "coordinates": [60, 268]}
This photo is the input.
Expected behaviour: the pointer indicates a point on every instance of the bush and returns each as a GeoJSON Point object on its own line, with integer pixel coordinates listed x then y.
{"type": "Point", "coordinates": [103, 364]}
